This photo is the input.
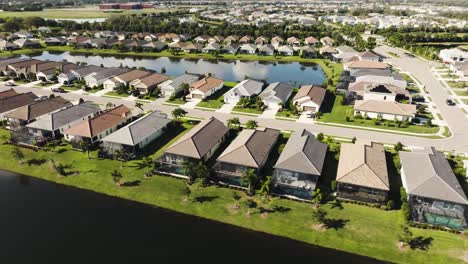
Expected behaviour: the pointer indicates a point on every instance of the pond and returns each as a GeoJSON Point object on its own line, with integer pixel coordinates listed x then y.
{"type": "Point", "coordinates": [44, 222]}
{"type": "Point", "coordinates": [293, 73]}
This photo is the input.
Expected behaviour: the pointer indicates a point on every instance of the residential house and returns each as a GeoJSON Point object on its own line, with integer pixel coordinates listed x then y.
{"type": "Point", "coordinates": [461, 70]}
{"type": "Point", "coordinates": [217, 39]}
{"type": "Point", "coordinates": [266, 50]}
{"type": "Point", "coordinates": [368, 56]}
{"type": "Point", "coordinates": [245, 88]}
{"type": "Point", "coordinates": [379, 91]}
{"type": "Point", "coordinates": [52, 125]}
{"type": "Point", "coordinates": [51, 73]}
{"type": "Point", "coordinates": [309, 98]}
{"type": "Point", "coordinates": [22, 68]}
{"type": "Point", "coordinates": [191, 47]}
{"type": "Point", "coordinates": [11, 103]}
{"type": "Point", "coordinates": [328, 51]}
{"type": "Point", "coordinates": [205, 87]}
{"type": "Point", "coordinates": [147, 84]}
{"type": "Point", "coordinates": [26, 44]}
{"type": "Point", "coordinates": [231, 48]}
{"type": "Point", "coordinates": [4, 63]}
{"type": "Point", "coordinates": [197, 145]}
{"type": "Point", "coordinates": [26, 114]}
{"type": "Point", "coordinates": [45, 69]}
{"type": "Point", "coordinates": [22, 35]}
{"type": "Point", "coordinates": [388, 110]}
{"type": "Point", "coordinates": [248, 49]}
{"type": "Point", "coordinates": [286, 50]}
{"type": "Point", "coordinates": [203, 39]}
{"type": "Point", "coordinates": [211, 47]}
{"type": "Point", "coordinates": [344, 53]}
{"type": "Point", "coordinates": [276, 94]}
{"type": "Point", "coordinates": [293, 41]}
{"type": "Point", "coordinates": [136, 135]}
{"type": "Point", "coordinates": [300, 165]}
{"type": "Point", "coordinates": [362, 173]}
{"type": "Point", "coordinates": [7, 93]}
{"type": "Point", "coordinates": [246, 40]}
{"type": "Point", "coordinates": [55, 41]}
{"type": "Point", "coordinates": [124, 79]}
{"type": "Point", "coordinates": [327, 41]}
{"type": "Point", "coordinates": [308, 52]}
{"type": "Point", "coordinates": [80, 42]}
{"type": "Point", "coordinates": [94, 129]}
{"type": "Point", "coordinates": [153, 45]}
{"type": "Point", "coordinates": [277, 41]}
{"type": "Point", "coordinates": [173, 86]}
{"type": "Point", "coordinates": [7, 45]}
{"type": "Point", "coordinates": [453, 55]}
{"type": "Point", "coordinates": [78, 74]}
{"type": "Point", "coordinates": [311, 41]}
{"type": "Point", "coordinates": [435, 195]}
{"type": "Point", "coordinates": [249, 150]}
{"type": "Point", "coordinates": [353, 66]}
{"type": "Point", "coordinates": [231, 39]}
{"type": "Point", "coordinates": [98, 78]}
{"type": "Point", "coordinates": [260, 41]}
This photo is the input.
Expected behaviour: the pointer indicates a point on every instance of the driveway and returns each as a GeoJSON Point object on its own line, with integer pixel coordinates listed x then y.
{"type": "Point", "coordinates": [226, 108]}
{"type": "Point", "coordinates": [191, 104]}
{"type": "Point", "coordinates": [270, 112]}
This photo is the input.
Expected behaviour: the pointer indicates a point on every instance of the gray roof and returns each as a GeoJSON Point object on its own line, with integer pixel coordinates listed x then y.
{"type": "Point", "coordinates": [139, 130]}
{"type": "Point", "coordinates": [83, 71]}
{"type": "Point", "coordinates": [5, 62]}
{"type": "Point", "coordinates": [247, 87]}
{"type": "Point", "coordinates": [109, 72]}
{"type": "Point", "coordinates": [266, 48]}
{"type": "Point", "coordinates": [199, 140]}
{"type": "Point", "coordinates": [231, 47]}
{"type": "Point", "coordinates": [303, 153]}
{"type": "Point", "coordinates": [377, 72]}
{"type": "Point", "coordinates": [250, 148]}
{"type": "Point", "coordinates": [16, 101]}
{"type": "Point", "coordinates": [64, 117]}
{"type": "Point", "coordinates": [184, 78]}
{"type": "Point", "coordinates": [280, 90]}
{"type": "Point", "coordinates": [428, 174]}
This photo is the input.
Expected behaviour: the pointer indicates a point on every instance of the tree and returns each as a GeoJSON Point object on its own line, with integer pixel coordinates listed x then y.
{"type": "Point", "coordinates": [405, 236]}
{"type": "Point", "coordinates": [109, 105]}
{"type": "Point", "coordinates": [17, 154]}
{"type": "Point", "coordinates": [234, 123]}
{"type": "Point", "coordinates": [85, 146]}
{"type": "Point", "coordinates": [188, 168]}
{"type": "Point", "coordinates": [251, 124]}
{"type": "Point", "coordinates": [353, 140]}
{"type": "Point", "coordinates": [201, 171]}
{"type": "Point", "coordinates": [121, 155]}
{"type": "Point", "coordinates": [320, 136]}
{"type": "Point", "coordinates": [333, 186]}
{"type": "Point", "coordinates": [319, 215]}
{"type": "Point", "coordinates": [249, 177]}
{"type": "Point", "coordinates": [316, 197]}
{"type": "Point", "coordinates": [185, 87]}
{"type": "Point", "coordinates": [116, 177]}
{"type": "Point", "coordinates": [139, 106]}
{"type": "Point", "coordinates": [178, 113]}
{"type": "Point", "coordinates": [398, 146]}
{"type": "Point", "coordinates": [186, 192]}
{"type": "Point", "coordinates": [149, 164]}
{"type": "Point", "coordinates": [265, 189]}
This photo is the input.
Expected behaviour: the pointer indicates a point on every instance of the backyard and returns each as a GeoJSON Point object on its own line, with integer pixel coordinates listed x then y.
{"type": "Point", "coordinates": [216, 100]}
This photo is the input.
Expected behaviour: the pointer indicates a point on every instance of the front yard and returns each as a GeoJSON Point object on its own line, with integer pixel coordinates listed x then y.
{"type": "Point", "coordinates": [116, 94]}
{"type": "Point", "coordinates": [216, 100]}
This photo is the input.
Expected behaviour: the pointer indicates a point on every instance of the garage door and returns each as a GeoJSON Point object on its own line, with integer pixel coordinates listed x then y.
{"type": "Point", "coordinates": [197, 96]}
{"type": "Point", "coordinates": [309, 109]}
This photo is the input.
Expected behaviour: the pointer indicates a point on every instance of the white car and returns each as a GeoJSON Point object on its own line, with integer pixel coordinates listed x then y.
{"type": "Point", "coordinates": [10, 84]}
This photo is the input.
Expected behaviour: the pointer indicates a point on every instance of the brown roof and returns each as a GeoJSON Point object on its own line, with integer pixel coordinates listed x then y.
{"type": "Point", "coordinates": [385, 107]}
{"type": "Point", "coordinates": [99, 123]}
{"type": "Point", "coordinates": [154, 79]}
{"type": "Point", "coordinates": [199, 140]}
{"type": "Point", "coordinates": [363, 86]}
{"type": "Point", "coordinates": [24, 64]}
{"type": "Point", "coordinates": [366, 65]}
{"type": "Point", "coordinates": [363, 164]}
{"type": "Point", "coordinates": [311, 40]}
{"type": "Point", "coordinates": [48, 65]}
{"type": "Point", "coordinates": [39, 108]}
{"type": "Point", "coordinates": [15, 101]}
{"type": "Point", "coordinates": [7, 93]}
{"type": "Point", "coordinates": [132, 75]}
{"type": "Point", "coordinates": [315, 93]}
{"type": "Point", "coordinates": [206, 84]}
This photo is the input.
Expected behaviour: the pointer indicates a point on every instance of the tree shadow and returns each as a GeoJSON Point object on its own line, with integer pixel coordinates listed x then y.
{"type": "Point", "coordinates": [61, 150]}
{"type": "Point", "coordinates": [335, 223]}
{"type": "Point", "coordinates": [202, 199]}
{"type": "Point", "coordinates": [337, 204]}
{"type": "Point", "coordinates": [91, 171]}
{"type": "Point", "coordinates": [280, 209]}
{"type": "Point", "coordinates": [36, 162]}
{"type": "Point", "coordinates": [131, 183]}
{"type": "Point", "coordinates": [422, 243]}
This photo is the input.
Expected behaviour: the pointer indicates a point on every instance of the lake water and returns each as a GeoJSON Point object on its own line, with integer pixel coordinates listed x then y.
{"type": "Point", "coordinates": [293, 73]}
{"type": "Point", "coordinates": [43, 222]}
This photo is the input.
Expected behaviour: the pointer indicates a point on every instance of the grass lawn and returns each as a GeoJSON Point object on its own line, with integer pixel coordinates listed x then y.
{"type": "Point", "coordinates": [335, 112]}
{"type": "Point", "coordinates": [457, 84]}
{"type": "Point", "coordinates": [252, 110]}
{"type": "Point", "coordinates": [70, 88]}
{"type": "Point", "coordinates": [462, 93]}
{"type": "Point", "coordinates": [287, 112]}
{"type": "Point", "coordinates": [216, 100]}
{"type": "Point", "coordinates": [465, 101]}
{"type": "Point", "coordinates": [44, 85]}
{"type": "Point", "coordinates": [361, 230]}
{"type": "Point", "coordinates": [393, 54]}
{"type": "Point", "coordinates": [448, 76]}
{"type": "Point", "coordinates": [116, 94]}
{"type": "Point", "coordinates": [440, 116]}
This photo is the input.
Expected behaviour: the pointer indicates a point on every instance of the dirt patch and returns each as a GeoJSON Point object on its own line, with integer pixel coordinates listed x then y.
{"type": "Point", "coordinates": [464, 256]}
{"type": "Point", "coordinates": [401, 246]}
{"type": "Point", "coordinates": [234, 208]}
{"type": "Point", "coordinates": [318, 227]}
{"type": "Point", "coordinates": [264, 215]}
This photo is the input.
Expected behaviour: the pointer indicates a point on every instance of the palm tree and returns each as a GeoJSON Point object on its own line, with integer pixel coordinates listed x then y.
{"type": "Point", "coordinates": [265, 189]}
{"type": "Point", "coordinates": [316, 197]}
{"type": "Point", "coordinates": [249, 177]}
{"type": "Point", "coordinates": [234, 123]}
{"type": "Point", "coordinates": [116, 177]}
{"type": "Point", "coordinates": [185, 87]}
{"type": "Point", "coordinates": [121, 155]}
{"type": "Point", "coordinates": [139, 106]}
{"type": "Point", "coordinates": [201, 171]}
{"type": "Point", "coordinates": [251, 124]}
{"type": "Point", "coordinates": [17, 154]}
{"type": "Point", "coordinates": [109, 105]}
{"type": "Point", "coordinates": [188, 168]}
{"type": "Point", "coordinates": [85, 146]}
{"type": "Point", "coordinates": [178, 113]}
{"type": "Point", "coordinates": [148, 162]}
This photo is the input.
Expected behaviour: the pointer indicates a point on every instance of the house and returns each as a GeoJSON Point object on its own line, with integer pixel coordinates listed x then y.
{"type": "Point", "coordinates": [203, 39]}
{"type": "Point", "coordinates": [260, 41]}
{"type": "Point", "coordinates": [248, 49]}
{"type": "Point", "coordinates": [286, 50]}
{"type": "Point", "coordinates": [147, 84]}
{"type": "Point", "coordinates": [153, 45]}
{"type": "Point", "coordinates": [191, 47]}
{"type": "Point", "coordinates": [124, 79]}
{"type": "Point", "coordinates": [277, 41]}
{"type": "Point", "coordinates": [368, 56]}
{"type": "Point", "coordinates": [327, 41]}
{"type": "Point", "coordinates": [461, 70]}
{"type": "Point", "coordinates": [7, 93]}
{"type": "Point", "coordinates": [26, 114]}
{"type": "Point", "coordinates": [94, 129]}
{"type": "Point", "coordinates": [362, 173]}
{"type": "Point", "coordinates": [217, 39]}
{"type": "Point", "coordinates": [245, 88]}
{"type": "Point", "coordinates": [379, 91]}
{"type": "Point", "coordinates": [4, 63]}
{"type": "Point", "coordinates": [11, 103]}
{"type": "Point", "coordinates": [388, 110]}
{"type": "Point", "coordinates": [358, 65]}
{"type": "Point", "coordinates": [51, 73]}
{"type": "Point", "coordinates": [249, 150]}
{"type": "Point", "coordinates": [205, 87]}
{"type": "Point", "coordinates": [46, 69]}
{"type": "Point", "coordinates": [230, 48]}
{"type": "Point", "coordinates": [211, 47]}
{"type": "Point", "coordinates": [23, 35]}
{"type": "Point", "coordinates": [309, 98]}
{"type": "Point", "coordinates": [136, 135]}
{"type": "Point", "coordinates": [293, 41]}
{"type": "Point", "coordinates": [173, 86]}
{"type": "Point", "coordinates": [311, 41]}
{"type": "Point", "coordinates": [197, 145]}
{"type": "Point", "coordinates": [98, 78]}
{"type": "Point", "coordinates": [308, 52]}
{"type": "Point", "coordinates": [453, 55]}
{"type": "Point", "coordinates": [52, 125]}
{"type": "Point", "coordinates": [246, 40]}
{"type": "Point", "coordinates": [276, 94]}
{"type": "Point", "coordinates": [22, 68]}
{"type": "Point", "coordinates": [344, 53]}
{"type": "Point", "coordinates": [434, 193]}
{"type": "Point", "coordinates": [266, 50]}
{"type": "Point", "coordinates": [7, 45]}
{"type": "Point", "coordinates": [80, 42]}
{"type": "Point", "coordinates": [328, 51]}
{"type": "Point", "coordinates": [27, 44]}
{"type": "Point", "coordinates": [78, 73]}
{"type": "Point", "coordinates": [231, 39]}
{"type": "Point", "coordinates": [300, 165]}
{"type": "Point", "coordinates": [55, 41]}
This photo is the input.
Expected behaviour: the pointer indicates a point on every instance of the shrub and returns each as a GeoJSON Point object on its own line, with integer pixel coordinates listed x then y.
{"type": "Point", "coordinates": [333, 186]}
{"type": "Point", "coordinates": [390, 204]}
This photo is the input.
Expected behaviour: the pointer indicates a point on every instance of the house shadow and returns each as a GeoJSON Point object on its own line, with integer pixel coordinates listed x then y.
{"type": "Point", "coordinates": [422, 243]}
{"type": "Point", "coordinates": [394, 179]}
{"type": "Point", "coordinates": [131, 183]}
{"type": "Point", "coordinates": [328, 102]}
{"type": "Point", "coordinates": [203, 199]}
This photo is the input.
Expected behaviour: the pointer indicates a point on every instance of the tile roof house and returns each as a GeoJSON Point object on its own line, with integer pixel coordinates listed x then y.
{"type": "Point", "coordinates": [327, 50]}
{"type": "Point", "coordinates": [231, 39]}
{"type": "Point", "coordinates": [78, 73]}
{"type": "Point", "coordinates": [309, 98]}
{"type": "Point", "coordinates": [205, 87]}
{"type": "Point", "coordinates": [248, 49]}
{"type": "Point", "coordinates": [96, 128]}
{"type": "Point", "coordinates": [197, 145]}
{"type": "Point", "coordinates": [277, 41]}
{"type": "Point", "coordinates": [26, 44]}
{"type": "Point", "coordinates": [299, 166]}
{"type": "Point", "coordinates": [266, 50]}
{"type": "Point", "coordinates": [124, 78]}
{"type": "Point", "coordinates": [28, 113]}
{"type": "Point", "coordinates": [245, 88]}
{"type": "Point", "coordinates": [327, 41]}
{"type": "Point", "coordinates": [388, 110]}
{"type": "Point", "coordinates": [191, 47]}
{"type": "Point", "coordinates": [260, 41]}
{"type": "Point", "coordinates": [344, 53]}
{"type": "Point", "coordinates": [22, 67]}
{"type": "Point", "coordinates": [249, 150]}
{"type": "Point", "coordinates": [379, 91]}
{"type": "Point", "coordinates": [435, 195]}
{"type": "Point", "coordinates": [50, 74]}
{"type": "Point", "coordinates": [147, 84]}
{"type": "Point", "coordinates": [286, 50]}
{"type": "Point", "coordinates": [362, 172]}
{"type": "Point", "coordinates": [7, 45]}
{"type": "Point", "coordinates": [172, 86]}
{"type": "Point", "coordinates": [7, 93]}
{"type": "Point", "coordinates": [138, 134]}
{"type": "Point", "coordinates": [211, 47]}
{"type": "Point", "coordinates": [5, 62]}
{"type": "Point", "coordinates": [53, 124]}
{"type": "Point", "coordinates": [98, 78]}
{"type": "Point", "coordinates": [311, 41]}
{"type": "Point", "coordinates": [293, 41]}
{"type": "Point", "coordinates": [357, 65]}
{"type": "Point", "coordinates": [11, 103]}
{"type": "Point", "coordinates": [230, 48]}
{"type": "Point", "coordinates": [246, 40]}
{"type": "Point", "coordinates": [368, 56]}
{"type": "Point", "coordinates": [276, 94]}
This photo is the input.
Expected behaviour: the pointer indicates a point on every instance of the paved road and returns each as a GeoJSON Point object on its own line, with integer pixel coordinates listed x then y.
{"type": "Point", "coordinates": [421, 69]}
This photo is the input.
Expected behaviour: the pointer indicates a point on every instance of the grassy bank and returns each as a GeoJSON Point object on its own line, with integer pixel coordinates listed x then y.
{"type": "Point", "coordinates": [357, 229]}
{"type": "Point", "coordinates": [78, 13]}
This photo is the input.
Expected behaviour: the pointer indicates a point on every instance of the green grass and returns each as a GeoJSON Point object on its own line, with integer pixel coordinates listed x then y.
{"type": "Point", "coordinates": [447, 132]}
{"type": "Point", "coordinates": [335, 112]}
{"type": "Point", "coordinates": [457, 84]}
{"type": "Point", "coordinates": [393, 54]}
{"type": "Point", "coordinates": [448, 76]}
{"type": "Point", "coordinates": [214, 23]}
{"type": "Point", "coordinates": [252, 110]}
{"type": "Point", "coordinates": [287, 111]}
{"type": "Point", "coordinates": [465, 101]}
{"type": "Point", "coordinates": [462, 93]}
{"type": "Point", "coordinates": [216, 100]}
{"type": "Point", "coordinates": [367, 231]}
{"type": "Point", "coordinates": [70, 88]}
{"type": "Point", "coordinates": [440, 116]}
{"type": "Point", "coordinates": [116, 94]}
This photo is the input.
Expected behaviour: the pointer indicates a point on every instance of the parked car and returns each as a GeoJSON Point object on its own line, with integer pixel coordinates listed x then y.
{"type": "Point", "coordinates": [58, 90]}
{"type": "Point", "coordinates": [449, 102]}
{"type": "Point", "coordinates": [10, 84]}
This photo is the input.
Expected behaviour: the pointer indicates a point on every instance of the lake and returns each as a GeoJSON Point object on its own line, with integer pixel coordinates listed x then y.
{"type": "Point", "coordinates": [293, 73]}
{"type": "Point", "coordinates": [44, 222]}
